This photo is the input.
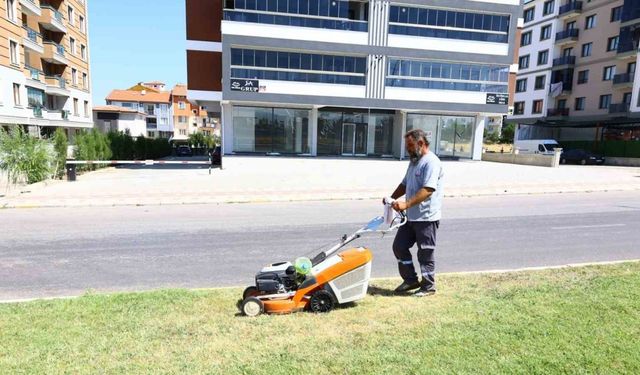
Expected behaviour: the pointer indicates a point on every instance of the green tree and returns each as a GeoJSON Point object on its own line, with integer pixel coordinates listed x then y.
{"type": "Point", "coordinates": [60, 144]}
{"type": "Point", "coordinates": [508, 131]}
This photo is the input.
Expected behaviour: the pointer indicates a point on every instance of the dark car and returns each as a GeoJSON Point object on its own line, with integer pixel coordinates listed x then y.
{"type": "Point", "coordinates": [580, 157]}
{"type": "Point", "coordinates": [184, 151]}
{"type": "Point", "coordinates": [216, 157]}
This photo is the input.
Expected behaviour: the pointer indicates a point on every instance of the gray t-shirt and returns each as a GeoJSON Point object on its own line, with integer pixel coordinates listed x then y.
{"type": "Point", "coordinates": [426, 172]}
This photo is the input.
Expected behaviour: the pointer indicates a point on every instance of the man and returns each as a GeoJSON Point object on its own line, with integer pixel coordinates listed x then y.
{"type": "Point", "coordinates": [422, 186]}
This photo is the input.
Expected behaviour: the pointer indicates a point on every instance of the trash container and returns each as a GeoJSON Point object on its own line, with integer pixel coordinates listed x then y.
{"type": "Point", "coordinates": [71, 172]}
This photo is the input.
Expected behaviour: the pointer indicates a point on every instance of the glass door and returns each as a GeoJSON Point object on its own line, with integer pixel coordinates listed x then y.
{"type": "Point", "coordinates": [361, 139]}
{"type": "Point", "coordinates": [348, 138]}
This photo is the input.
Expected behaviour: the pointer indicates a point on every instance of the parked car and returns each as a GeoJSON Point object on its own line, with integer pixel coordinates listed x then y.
{"type": "Point", "coordinates": [579, 156]}
{"type": "Point", "coordinates": [216, 157]}
{"type": "Point", "coordinates": [184, 151]}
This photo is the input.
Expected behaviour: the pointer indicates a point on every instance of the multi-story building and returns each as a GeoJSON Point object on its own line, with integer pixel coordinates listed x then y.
{"type": "Point", "coordinates": [156, 105]}
{"type": "Point", "coordinates": [44, 65]}
{"type": "Point", "coordinates": [112, 118]}
{"type": "Point", "coordinates": [577, 78]}
{"type": "Point", "coordinates": [188, 118]}
{"type": "Point", "coordinates": [351, 77]}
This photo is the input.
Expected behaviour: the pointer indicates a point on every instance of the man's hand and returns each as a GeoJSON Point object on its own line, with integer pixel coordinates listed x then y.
{"type": "Point", "coordinates": [400, 206]}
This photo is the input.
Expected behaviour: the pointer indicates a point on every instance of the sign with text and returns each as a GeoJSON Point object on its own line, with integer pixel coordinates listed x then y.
{"type": "Point", "coordinates": [502, 99]}
{"type": "Point", "coordinates": [247, 85]}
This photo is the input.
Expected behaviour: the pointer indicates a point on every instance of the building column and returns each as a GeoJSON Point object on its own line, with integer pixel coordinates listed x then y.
{"type": "Point", "coordinates": [313, 129]}
{"type": "Point", "coordinates": [478, 138]}
{"type": "Point", "coordinates": [226, 122]}
{"type": "Point", "coordinates": [399, 130]}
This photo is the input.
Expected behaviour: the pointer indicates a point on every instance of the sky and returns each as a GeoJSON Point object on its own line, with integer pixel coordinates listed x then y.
{"type": "Point", "coordinates": [136, 40]}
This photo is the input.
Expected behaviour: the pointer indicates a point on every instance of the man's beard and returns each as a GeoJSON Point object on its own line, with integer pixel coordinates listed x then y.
{"type": "Point", "coordinates": [415, 155]}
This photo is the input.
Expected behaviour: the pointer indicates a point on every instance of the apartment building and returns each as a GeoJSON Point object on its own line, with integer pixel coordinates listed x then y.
{"type": "Point", "coordinates": [156, 105]}
{"type": "Point", "coordinates": [111, 118]}
{"type": "Point", "coordinates": [44, 65]}
{"type": "Point", "coordinates": [189, 118]}
{"type": "Point", "coordinates": [577, 78]}
{"type": "Point", "coordinates": [349, 78]}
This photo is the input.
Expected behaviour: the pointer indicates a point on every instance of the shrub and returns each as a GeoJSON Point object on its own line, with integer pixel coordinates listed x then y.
{"type": "Point", "coordinates": [24, 158]}
{"type": "Point", "coordinates": [60, 147]}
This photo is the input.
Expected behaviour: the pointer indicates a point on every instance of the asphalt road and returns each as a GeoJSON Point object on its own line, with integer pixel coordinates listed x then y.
{"type": "Point", "coordinates": [62, 252]}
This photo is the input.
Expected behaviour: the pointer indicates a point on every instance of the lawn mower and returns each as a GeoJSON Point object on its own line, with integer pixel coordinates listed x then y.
{"type": "Point", "coordinates": [321, 283]}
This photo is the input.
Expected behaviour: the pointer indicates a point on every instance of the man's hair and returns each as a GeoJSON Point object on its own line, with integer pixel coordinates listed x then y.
{"type": "Point", "coordinates": [417, 135]}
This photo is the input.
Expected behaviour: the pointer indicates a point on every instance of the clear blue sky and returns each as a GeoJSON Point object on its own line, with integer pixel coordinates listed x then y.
{"type": "Point", "coordinates": [136, 40]}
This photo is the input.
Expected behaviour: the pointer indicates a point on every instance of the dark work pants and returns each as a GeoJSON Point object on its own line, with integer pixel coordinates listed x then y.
{"type": "Point", "coordinates": [422, 233]}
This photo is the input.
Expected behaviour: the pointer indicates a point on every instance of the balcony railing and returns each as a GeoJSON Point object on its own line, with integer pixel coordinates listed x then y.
{"type": "Point", "coordinates": [37, 111]}
{"type": "Point", "coordinates": [57, 15]}
{"type": "Point", "coordinates": [627, 47]}
{"type": "Point", "coordinates": [632, 15]}
{"type": "Point", "coordinates": [566, 34]}
{"type": "Point", "coordinates": [619, 108]}
{"type": "Point", "coordinates": [56, 81]}
{"type": "Point", "coordinates": [622, 78]}
{"type": "Point", "coordinates": [33, 73]}
{"type": "Point", "coordinates": [558, 112]}
{"type": "Point", "coordinates": [33, 35]}
{"type": "Point", "coordinates": [564, 60]}
{"type": "Point", "coordinates": [574, 6]}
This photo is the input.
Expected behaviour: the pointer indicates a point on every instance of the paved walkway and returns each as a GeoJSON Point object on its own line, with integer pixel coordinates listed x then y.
{"type": "Point", "coordinates": [260, 179]}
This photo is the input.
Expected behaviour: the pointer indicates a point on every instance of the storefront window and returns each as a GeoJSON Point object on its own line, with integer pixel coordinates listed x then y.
{"type": "Point", "coordinates": [356, 132]}
{"type": "Point", "coordinates": [271, 130]}
{"type": "Point", "coordinates": [448, 135]}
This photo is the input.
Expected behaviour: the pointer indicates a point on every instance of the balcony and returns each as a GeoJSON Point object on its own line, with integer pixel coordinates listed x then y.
{"type": "Point", "coordinates": [618, 108]}
{"type": "Point", "coordinates": [54, 53]}
{"type": "Point", "coordinates": [567, 36]}
{"type": "Point", "coordinates": [631, 17]}
{"type": "Point", "coordinates": [558, 112]}
{"type": "Point", "coordinates": [55, 114]}
{"type": "Point", "coordinates": [32, 40]}
{"type": "Point", "coordinates": [627, 51]}
{"type": "Point", "coordinates": [564, 61]}
{"type": "Point", "coordinates": [570, 9]}
{"type": "Point", "coordinates": [52, 20]}
{"type": "Point", "coordinates": [31, 7]}
{"type": "Point", "coordinates": [56, 86]}
{"type": "Point", "coordinates": [623, 80]}
{"type": "Point", "coordinates": [35, 78]}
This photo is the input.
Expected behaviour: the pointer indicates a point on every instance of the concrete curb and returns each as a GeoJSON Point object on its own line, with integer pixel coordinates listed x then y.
{"type": "Point", "coordinates": [487, 272]}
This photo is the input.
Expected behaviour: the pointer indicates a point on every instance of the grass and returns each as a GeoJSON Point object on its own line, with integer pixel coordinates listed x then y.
{"type": "Point", "coordinates": [575, 320]}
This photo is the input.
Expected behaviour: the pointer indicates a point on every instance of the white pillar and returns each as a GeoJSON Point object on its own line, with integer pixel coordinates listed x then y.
{"type": "Point", "coordinates": [227, 128]}
{"type": "Point", "coordinates": [313, 129]}
{"type": "Point", "coordinates": [478, 141]}
{"type": "Point", "coordinates": [399, 129]}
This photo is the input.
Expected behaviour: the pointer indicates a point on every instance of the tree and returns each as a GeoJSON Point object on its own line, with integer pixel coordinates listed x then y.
{"type": "Point", "coordinates": [60, 144]}
{"type": "Point", "coordinates": [508, 131]}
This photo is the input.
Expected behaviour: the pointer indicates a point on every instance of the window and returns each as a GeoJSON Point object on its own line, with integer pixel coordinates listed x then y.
{"type": "Point", "coordinates": [631, 68]}
{"type": "Point", "coordinates": [70, 14]}
{"type": "Point", "coordinates": [608, 72]}
{"type": "Point", "coordinates": [579, 104]}
{"type": "Point", "coordinates": [86, 108]}
{"type": "Point", "coordinates": [586, 49]}
{"type": "Point", "coordinates": [82, 24]}
{"type": "Point", "coordinates": [537, 106]}
{"type": "Point", "coordinates": [521, 85]}
{"type": "Point", "coordinates": [72, 45]}
{"type": "Point", "coordinates": [75, 106]}
{"type": "Point", "coordinates": [83, 51]}
{"type": "Point", "coordinates": [543, 57]}
{"type": "Point", "coordinates": [16, 95]}
{"type": "Point", "coordinates": [545, 32]}
{"type": "Point", "coordinates": [590, 22]}
{"type": "Point", "coordinates": [570, 25]}
{"type": "Point", "coordinates": [181, 105]}
{"type": "Point", "coordinates": [561, 103]}
{"type": "Point", "coordinates": [605, 101]}
{"type": "Point", "coordinates": [540, 81]}
{"type": "Point", "coordinates": [626, 98]}
{"type": "Point", "coordinates": [85, 81]}
{"type": "Point", "coordinates": [548, 7]}
{"type": "Point", "coordinates": [583, 76]}
{"type": "Point", "coordinates": [529, 14]}
{"type": "Point", "coordinates": [523, 62]}
{"type": "Point", "coordinates": [74, 76]}
{"type": "Point", "coordinates": [183, 132]}
{"type": "Point", "coordinates": [612, 43]}
{"type": "Point", "coordinates": [11, 10]}
{"type": "Point", "coordinates": [13, 51]}
{"type": "Point", "coordinates": [616, 13]}
{"type": "Point", "coordinates": [518, 108]}
{"type": "Point", "coordinates": [525, 39]}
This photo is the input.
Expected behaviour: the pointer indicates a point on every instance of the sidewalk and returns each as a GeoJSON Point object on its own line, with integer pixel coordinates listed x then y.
{"type": "Point", "coordinates": [272, 179]}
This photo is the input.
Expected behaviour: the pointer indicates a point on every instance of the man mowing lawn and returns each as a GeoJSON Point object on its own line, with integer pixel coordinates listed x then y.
{"type": "Point", "coordinates": [422, 186]}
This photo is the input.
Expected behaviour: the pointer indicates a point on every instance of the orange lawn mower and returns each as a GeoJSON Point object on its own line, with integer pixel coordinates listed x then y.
{"type": "Point", "coordinates": [319, 284]}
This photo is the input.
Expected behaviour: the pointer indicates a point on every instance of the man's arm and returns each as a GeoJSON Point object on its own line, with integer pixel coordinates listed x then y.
{"type": "Point", "coordinates": [422, 195]}
{"type": "Point", "coordinates": [400, 190]}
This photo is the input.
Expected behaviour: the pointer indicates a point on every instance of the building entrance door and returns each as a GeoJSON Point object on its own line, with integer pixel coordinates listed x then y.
{"type": "Point", "coordinates": [354, 139]}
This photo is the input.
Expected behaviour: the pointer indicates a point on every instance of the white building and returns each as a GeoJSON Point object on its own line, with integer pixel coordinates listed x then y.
{"type": "Point", "coordinates": [120, 119]}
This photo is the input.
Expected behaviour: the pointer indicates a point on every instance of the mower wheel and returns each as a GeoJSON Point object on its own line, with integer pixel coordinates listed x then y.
{"type": "Point", "coordinates": [250, 291]}
{"type": "Point", "coordinates": [252, 306]}
{"type": "Point", "coordinates": [321, 302]}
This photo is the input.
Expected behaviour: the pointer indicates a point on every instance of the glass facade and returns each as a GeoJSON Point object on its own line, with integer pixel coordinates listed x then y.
{"type": "Point", "coordinates": [447, 76]}
{"type": "Point", "coordinates": [271, 130]}
{"type": "Point", "coordinates": [449, 135]}
{"type": "Point", "coordinates": [438, 23]}
{"type": "Point", "coordinates": [355, 132]}
{"type": "Point", "coordinates": [293, 66]}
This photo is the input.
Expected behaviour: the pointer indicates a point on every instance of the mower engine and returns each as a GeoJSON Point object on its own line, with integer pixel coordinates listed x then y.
{"type": "Point", "coordinates": [277, 278]}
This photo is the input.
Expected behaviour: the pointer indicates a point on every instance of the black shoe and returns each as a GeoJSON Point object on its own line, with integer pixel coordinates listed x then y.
{"type": "Point", "coordinates": [424, 292]}
{"type": "Point", "coordinates": [407, 286]}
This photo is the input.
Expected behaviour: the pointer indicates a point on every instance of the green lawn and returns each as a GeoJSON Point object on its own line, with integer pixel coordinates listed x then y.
{"type": "Point", "coordinates": [577, 320]}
